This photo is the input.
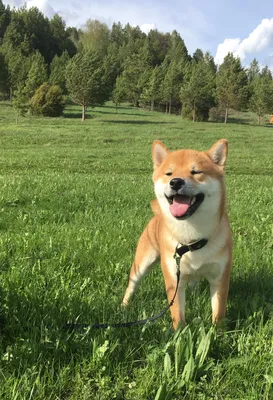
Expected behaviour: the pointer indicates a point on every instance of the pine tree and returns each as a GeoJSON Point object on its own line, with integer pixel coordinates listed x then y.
{"type": "Point", "coordinates": [57, 70]}
{"type": "Point", "coordinates": [198, 93]}
{"type": "Point", "coordinates": [5, 17]}
{"type": "Point", "coordinates": [261, 101]}
{"type": "Point", "coordinates": [253, 74]}
{"type": "Point", "coordinates": [231, 85]}
{"type": "Point", "coordinates": [37, 74]}
{"type": "Point", "coordinates": [4, 77]}
{"type": "Point", "coordinates": [112, 67]}
{"type": "Point", "coordinates": [132, 80]}
{"type": "Point", "coordinates": [151, 91]}
{"type": "Point", "coordinates": [119, 93]}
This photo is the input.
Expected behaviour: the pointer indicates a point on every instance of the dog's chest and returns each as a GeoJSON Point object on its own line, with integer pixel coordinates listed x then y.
{"type": "Point", "coordinates": [208, 262]}
{"type": "Point", "coordinates": [201, 264]}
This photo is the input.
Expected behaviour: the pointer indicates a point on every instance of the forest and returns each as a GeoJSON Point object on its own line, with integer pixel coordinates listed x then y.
{"type": "Point", "coordinates": [44, 65]}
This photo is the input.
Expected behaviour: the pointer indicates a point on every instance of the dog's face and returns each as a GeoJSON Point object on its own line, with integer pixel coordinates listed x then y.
{"type": "Point", "coordinates": [188, 182]}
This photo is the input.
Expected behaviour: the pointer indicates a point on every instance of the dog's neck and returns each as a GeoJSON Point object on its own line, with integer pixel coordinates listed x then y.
{"type": "Point", "coordinates": [194, 228]}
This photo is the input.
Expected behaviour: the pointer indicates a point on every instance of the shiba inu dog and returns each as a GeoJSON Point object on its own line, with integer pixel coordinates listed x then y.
{"type": "Point", "coordinates": [190, 205]}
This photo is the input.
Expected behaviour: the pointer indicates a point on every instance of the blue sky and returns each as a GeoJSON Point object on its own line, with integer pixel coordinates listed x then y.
{"type": "Point", "coordinates": [243, 27]}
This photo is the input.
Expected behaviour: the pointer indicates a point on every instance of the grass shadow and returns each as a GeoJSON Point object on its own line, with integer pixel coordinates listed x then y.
{"type": "Point", "coordinates": [76, 115]}
{"type": "Point", "coordinates": [255, 288]}
{"type": "Point", "coordinates": [120, 113]}
{"type": "Point", "coordinates": [136, 122]}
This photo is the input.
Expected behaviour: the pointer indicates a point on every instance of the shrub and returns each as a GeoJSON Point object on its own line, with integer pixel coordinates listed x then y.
{"type": "Point", "coordinates": [48, 101]}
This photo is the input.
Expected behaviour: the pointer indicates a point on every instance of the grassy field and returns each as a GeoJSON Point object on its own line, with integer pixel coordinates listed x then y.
{"type": "Point", "coordinates": [74, 198]}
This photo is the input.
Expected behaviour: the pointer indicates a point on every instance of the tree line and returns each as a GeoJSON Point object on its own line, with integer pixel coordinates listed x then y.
{"type": "Point", "coordinates": [43, 63]}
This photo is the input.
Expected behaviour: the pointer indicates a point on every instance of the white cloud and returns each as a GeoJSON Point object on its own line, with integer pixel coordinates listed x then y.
{"type": "Point", "coordinates": [43, 6]}
{"type": "Point", "coordinates": [146, 28]}
{"type": "Point", "coordinates": [257, 41]}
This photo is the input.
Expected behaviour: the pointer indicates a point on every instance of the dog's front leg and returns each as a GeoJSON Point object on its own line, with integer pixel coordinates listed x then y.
{"type": "Point", "coordinates": [219, 293]}
{"type": "Point", "coordinates": [168, 265]}
{"type": "Point", "coordinates": [147, 254]}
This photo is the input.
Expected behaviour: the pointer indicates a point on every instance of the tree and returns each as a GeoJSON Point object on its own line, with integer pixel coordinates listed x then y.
{"type": "Point", "coordinates": [60, 38]}
{"type": "Point", "coordinates": [131, 79]}
{"type": "Point", "coordinates": [84, 80]}
{"type": "Point", "coordinates": [119, 93]}
{"type": "Point", "coordinates": [5, 17]}
{"type": "Point", "coordinates": [4, 77]}
{"type": "Point", "coordinates": [112, 67]}
{"type": "Point", "coordinates": [37, 74]}
{"type": "Point", "coordinates": [261, 101]}
{"type": "Point", "coordinates": [95, 37]}
{"type": "Point", "coordinates": [253, 73]}
{"type": "Point", "coordinates": [197, 95]}
{"type": "Point", "coordinates": [151, 91]}
{"type": "Point", "coordinates": [57, 70]}
{"type": "Point", "coordinates": [36, 29]}
{"type": "Point", "coordinates": [47, 101]}
{"type": "Point", "coordinates": [266, 72]}
{"type": "Point", "coordinates": [198, 55]}
{"type": "Point", "coordinates": [171, 85]}
{"type": "Point", "coordinates": [156, 47]}
{"type": "Point", "coordinates": [231, 85]}
{"type": "Point", "coordinates": [20, 102]}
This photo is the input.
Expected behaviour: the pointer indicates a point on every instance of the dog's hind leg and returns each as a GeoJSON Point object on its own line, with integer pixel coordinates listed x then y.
{"type": "Point", "coordinates": [147, 253]}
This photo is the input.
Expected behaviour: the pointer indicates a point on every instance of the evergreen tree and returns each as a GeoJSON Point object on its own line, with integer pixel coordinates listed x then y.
{"type": "Point", "coordinates": [253, 74]}
{"type": "Point", "coordinates": [119, 93]}
{"type": "Point", "coordinates": [231, 85]}
{"type": "Point", "coordinates": [155, 47]}
{"type": "Point", "coordinates": [84, 80]}
{"type": "Point", "coordinates": [116, 35]}
{"type": "Point", "coordinates": [198, 55]}
{"type": "Point", "coordinates": [132, 80]}
{"type": "Point", "coordinates": [5, 17]}
{"type": "Point", "coordinates": [47, 101]}
{"type": "Point", "coordinates": [261, 101]}
{"type": "Point", "coordinates": [20, 102]}
{"type": "Point", "coordinates": [174, 76]}
{"type": "Point", "coordinates": [266, 72]}
{"type": "Point", "coordinates": [37, 74]}
{"type": "Point", "coordinates": [198, 93]}
{"type": "Point", "coordinates": [4, 87]}
{"type": "Point", "coordinates": [57, 70]}
{"type": "Point", "coordinates": [60, 40]}
{"type": "Point", "coordinates": [112, 67]}
{"type": "Point", "coordinates": [151, 91]}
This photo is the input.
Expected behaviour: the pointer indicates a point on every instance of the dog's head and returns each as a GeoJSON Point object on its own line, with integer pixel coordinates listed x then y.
{"type": "Point", "coordinates": [189, 182]}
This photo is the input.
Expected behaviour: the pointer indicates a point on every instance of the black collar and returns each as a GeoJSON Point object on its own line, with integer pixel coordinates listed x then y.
{"type": "Point", "coordinates": [191, 247]}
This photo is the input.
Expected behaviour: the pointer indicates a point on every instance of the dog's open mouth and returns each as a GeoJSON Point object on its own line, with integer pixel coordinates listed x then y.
{"type": "Point", "coordinates": [182, 206]}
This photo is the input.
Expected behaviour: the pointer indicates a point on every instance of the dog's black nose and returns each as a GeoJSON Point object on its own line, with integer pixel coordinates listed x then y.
{"type": "Point", "coordinates": [177, 183]}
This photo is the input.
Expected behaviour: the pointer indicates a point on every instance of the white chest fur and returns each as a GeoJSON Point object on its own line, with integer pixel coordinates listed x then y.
{"type": "Point", "coordinates": [208, 262]}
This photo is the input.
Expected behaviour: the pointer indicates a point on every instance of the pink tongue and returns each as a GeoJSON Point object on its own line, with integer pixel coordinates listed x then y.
{"type": "Point", "coordinates": [180, 205]}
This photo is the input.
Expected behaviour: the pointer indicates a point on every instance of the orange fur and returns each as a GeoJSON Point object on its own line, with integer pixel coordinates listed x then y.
{"type": "Point", "coordinates": [164, 231]}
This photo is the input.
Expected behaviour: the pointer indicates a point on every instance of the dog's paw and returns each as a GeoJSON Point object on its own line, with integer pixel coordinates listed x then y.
{"type": "Point", "coordinates": [124, 303]}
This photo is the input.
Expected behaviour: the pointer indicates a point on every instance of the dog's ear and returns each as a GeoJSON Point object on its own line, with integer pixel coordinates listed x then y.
{"type": "Point", "coordinates": [159, 153]}
{"type": "Point", "coordinates": [218, 152]}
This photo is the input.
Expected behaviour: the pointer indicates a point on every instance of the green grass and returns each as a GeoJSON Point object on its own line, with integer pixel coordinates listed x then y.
{"type": "Point", "coordinates": [74, 198]}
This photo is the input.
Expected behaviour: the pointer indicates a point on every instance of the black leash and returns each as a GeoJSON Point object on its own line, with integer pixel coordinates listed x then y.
{"type": "Point", "coordinates": [179, 252]}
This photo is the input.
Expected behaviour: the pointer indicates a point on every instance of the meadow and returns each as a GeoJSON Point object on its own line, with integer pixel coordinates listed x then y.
{"type": "Point", "coordinates": [74, 198]}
